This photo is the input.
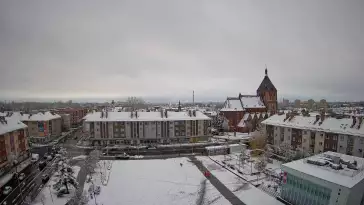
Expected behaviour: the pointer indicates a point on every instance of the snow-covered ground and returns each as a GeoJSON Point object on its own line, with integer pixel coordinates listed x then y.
{"type": "Point", "coordinates": [267, 182]}
{"type": "Point", "coordinates": [246, 192]}
{"type": "Point", "coordinates": [162, 182]}
{"type": "Point", "coordinates": [49, 196]}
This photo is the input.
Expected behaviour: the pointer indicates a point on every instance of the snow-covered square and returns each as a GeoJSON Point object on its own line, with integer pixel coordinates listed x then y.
{"type": "Point", "coordinates": [173, 181]}
{"type": "Point", "coordinates": [242, 188]}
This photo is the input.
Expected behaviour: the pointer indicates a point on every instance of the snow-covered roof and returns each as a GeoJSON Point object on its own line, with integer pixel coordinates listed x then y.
{"type": "Point", "coordinates": [233, 104]}
{"type": "Point", "coordinates": [345, 177]}
{"type": "Point", "coordinates": [330, 124]}
{"type": "Point", "coordinates": [144, 116]}
{"type": "Point", "coordinates": [11, 125]}
{"type": "Point", "coordinates": [40, 116]}
{"type": "Point", "coordinates": [251, 101]}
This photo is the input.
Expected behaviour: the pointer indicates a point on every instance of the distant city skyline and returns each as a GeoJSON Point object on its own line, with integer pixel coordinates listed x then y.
{"type": "Point", "coordinates": [165, 49]}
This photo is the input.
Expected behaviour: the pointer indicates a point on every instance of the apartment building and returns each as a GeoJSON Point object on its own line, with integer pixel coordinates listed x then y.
{"type": "Point", "coordinates": [42, 126]}
{"type": "Point", "coordinates": [317, 133]}
{"type": "Point", "coordinates": [13, 142]}
{"type": "Point", "coordinates": [328, 178]}
{"type": "Point", "coordinates": [76, 114]}
{"type": "Point", "coordinates": [146, 127]}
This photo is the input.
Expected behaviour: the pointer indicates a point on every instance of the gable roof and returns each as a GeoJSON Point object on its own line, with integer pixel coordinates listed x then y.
{"type": "Point", "coordinates": [251, 101]}
{"type": "Point", "coordinates": [10, 125]}
{"type": "Point", "coordinates": [233, 104]}
{"type": "Point", "coordinates": [266, 84]}
{"type": "Point", "coordinates": [330, 124]}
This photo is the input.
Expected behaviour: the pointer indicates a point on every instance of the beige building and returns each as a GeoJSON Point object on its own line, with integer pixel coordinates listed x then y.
{"type": "Point", "coordinates": [42, 126]}
{"type": "Point", "coordinates": [146, 127]}
{"type": "Point", "coordinates": [317, 133]}
{"type": "Point", "coordinates": [13, 142]}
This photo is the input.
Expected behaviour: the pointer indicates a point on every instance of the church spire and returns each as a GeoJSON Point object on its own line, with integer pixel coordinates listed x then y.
{"type": "Point", "coordinates": [266, 70]}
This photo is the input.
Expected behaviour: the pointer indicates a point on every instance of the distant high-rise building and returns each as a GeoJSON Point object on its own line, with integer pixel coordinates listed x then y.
{"type": "Point", "coordinates": [297, 103]}
{"type": "Point", "coordinates": [285, 102]}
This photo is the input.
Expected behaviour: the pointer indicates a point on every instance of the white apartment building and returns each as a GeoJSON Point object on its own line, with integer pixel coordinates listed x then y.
{"type": "Point", "coordinates": [146, 127]}
{"type": "Point", "coordinates": [328, 178]}
{"type": "Point", "coordinates": [317, 133]}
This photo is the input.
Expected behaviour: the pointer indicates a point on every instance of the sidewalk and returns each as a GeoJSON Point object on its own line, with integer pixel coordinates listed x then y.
{"type": "Point", "coordinates": [234, 200]}
{"type": "Point", "coordinates": [9, 175]}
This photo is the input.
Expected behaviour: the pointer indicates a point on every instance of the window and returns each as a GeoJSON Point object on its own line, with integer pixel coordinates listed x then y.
{"type": "Point", "coordinates": [321, 135]}
{"type": "Point", "coordinates": [327, 137]}
{"type": "Point", "coordinates": [341, 138]}
{"type": "Point", "coordinates": [335, 138]}
{"type": "Point", "coordinates": [289, 129]}
{"type": "Point", "coordinates": [320, 143]}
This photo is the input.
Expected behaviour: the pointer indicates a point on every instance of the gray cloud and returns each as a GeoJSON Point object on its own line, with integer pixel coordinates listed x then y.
{"type": "Point", "coordinates": [169, 48]}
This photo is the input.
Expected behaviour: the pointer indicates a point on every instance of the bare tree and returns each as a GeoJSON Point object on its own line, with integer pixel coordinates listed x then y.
{"type": "Point", "coordinates": [91, 161]}
{"type": "Point", "coordinates": [285, 150]}
{"type": "Point", "coordinates": [135, 102]}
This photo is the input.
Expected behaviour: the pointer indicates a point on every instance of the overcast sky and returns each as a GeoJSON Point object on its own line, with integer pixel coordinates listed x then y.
{"type": "Point", "coordinates": [90, 49]}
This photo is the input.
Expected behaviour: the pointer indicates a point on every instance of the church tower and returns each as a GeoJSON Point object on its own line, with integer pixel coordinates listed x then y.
{"type": "Point", "coordinates": [268, 93]}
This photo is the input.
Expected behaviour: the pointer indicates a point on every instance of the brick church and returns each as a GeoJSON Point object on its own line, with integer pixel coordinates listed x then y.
{"type": "Point", "coordinates": [245, 112]}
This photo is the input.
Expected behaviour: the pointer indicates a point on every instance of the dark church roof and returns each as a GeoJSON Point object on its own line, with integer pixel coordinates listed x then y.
{"type": "Point", "coordinates": [266, 84]}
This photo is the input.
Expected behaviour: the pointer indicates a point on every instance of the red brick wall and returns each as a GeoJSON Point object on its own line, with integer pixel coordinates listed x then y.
{"type": "Point", "coordinates": [234, 118]}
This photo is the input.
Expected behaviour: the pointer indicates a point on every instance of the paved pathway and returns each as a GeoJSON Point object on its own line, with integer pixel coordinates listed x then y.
{"type": "Point", "coordinates": [230, 196]}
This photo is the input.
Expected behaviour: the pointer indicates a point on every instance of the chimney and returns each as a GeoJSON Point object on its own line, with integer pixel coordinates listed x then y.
{"type": "Point", "coordinates": [354, 122]}
{"type": "Point", "coordinates": [317, 119]}
{"type": "Point", "coordinates": [136, 114]}
{"type": "Point", "coordinates": [360, 122]}
{"type": "Point", "coordinates": [189, 113]}
{"type": "Point", "coordinates": [102, 114]}
{"type": "Point", "coordinates": [166, 113]}
{"type": "Point", "coordinates": [322, 115]}
{"type": "Point", "coordinates": [194, 113]}
{"type": "Point", "coordinates": [287, 116]}
{"type": "Point", "coordinates": [106, 114]}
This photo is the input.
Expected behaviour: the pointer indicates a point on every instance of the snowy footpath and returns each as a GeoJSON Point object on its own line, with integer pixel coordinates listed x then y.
{"type": "Point", "coordinates": [174, 181]}
{"type": "Point", "coordinates": [49, 196]}
{"type": "Point", "coordinates": [247, 193]}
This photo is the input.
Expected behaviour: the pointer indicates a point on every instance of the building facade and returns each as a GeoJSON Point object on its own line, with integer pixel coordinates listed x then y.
{"type": "Point", "coordinates": [66, 122]}
{"type": "Point", "coordinates": [245, 112]}
{"type": "Point", "coordinates": [42, 126]}
{"type": "Point", "coordinates": [318, 133]}
{"type": "Point", "coordinates": [325, 179]}
{"type": "Point", "coordinates": [76, 114]}
{"type": "Point", "coordinates": [133, 128]}
{"type": "Point", "coordinates": [14, 146]}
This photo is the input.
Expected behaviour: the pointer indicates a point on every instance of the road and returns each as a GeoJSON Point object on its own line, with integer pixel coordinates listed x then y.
{"type": "Point", "coordinates": [33, 178]}
{"type": "Point", "coordinates": [230, 196]}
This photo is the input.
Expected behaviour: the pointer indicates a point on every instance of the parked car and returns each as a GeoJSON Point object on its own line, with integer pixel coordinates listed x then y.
{"type": "Point", "coordinates": [21, 176]}
{"type": "Point", "coordinates": [7, 190]}
{"type": "Point", "coordinates": [45, 178]}
{"type": "Point", "coordinates": [42, 165]}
